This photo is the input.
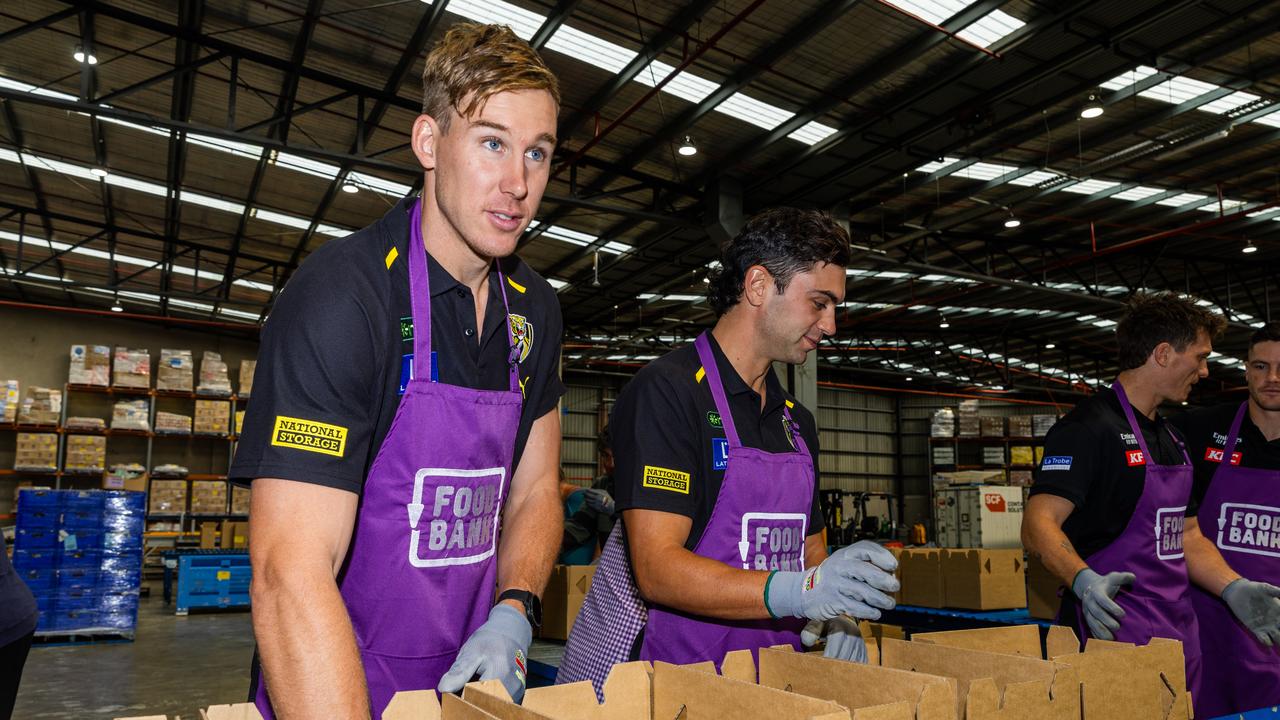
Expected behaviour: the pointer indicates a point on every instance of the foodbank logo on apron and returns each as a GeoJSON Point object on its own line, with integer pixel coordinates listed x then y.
{"type": "Point", "coordinates": [457, 512]}
{"type": "Point", "coordinates": [773, 541]}
{"type": "Point", "coordinates": [521, 334]}
{"type": "Point", "coordinates": [1169, 523]}
{"type": "Point", "coordinates": [1246, 528]}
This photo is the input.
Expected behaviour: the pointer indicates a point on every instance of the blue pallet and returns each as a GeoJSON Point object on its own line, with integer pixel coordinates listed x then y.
{"type": "Point", "coordinates": [33, 538]}
{"type": "Point", "coordinates": [34, 559]}
{"type": "Point", "coordinates": [220, 581]}
{"type": "Point", "coordinates": [38, 517]}
{"type": "Point", "coordinates": [75, 619]}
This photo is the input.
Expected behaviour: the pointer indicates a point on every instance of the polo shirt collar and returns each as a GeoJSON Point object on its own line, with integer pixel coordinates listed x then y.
{"type": "Point", "coordinates": [735, 385]}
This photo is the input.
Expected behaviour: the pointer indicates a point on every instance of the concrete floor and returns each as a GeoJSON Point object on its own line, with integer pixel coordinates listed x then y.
{"type": "Point", "coordinates": [175, 666]}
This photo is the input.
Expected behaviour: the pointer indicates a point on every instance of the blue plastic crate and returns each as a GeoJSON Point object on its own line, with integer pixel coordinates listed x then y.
{"type": "Point", "coordinates": [82, 538]}
{"type": "Point", "coordinates": [89, 501]}
{"type": "Point", "coordinates": [121, 543]}
{"type": "Point", "coordinates": [78, 596]}
{"type": "Point", "coordinates": [47, 609]}
{"type": "Point", "coordinates": [34, 559]}
{"type": "Point", "coordinates": [38, 517]}
{"type": "Point", "coordinates": [123, 502]}
{"type": "Point", "coordinates": [213, 581]}
{"type": "Point", "coordinates": [29, 499]}
{"type": "Point", "coordinates": [66, 619]}
{"type": "Point", "coordinates": [78, 519]}
{"type": "Point", "coordinates": [118, 602]}
{"type": "Point", "coordinates": [78, 558]}
{"type": "Point", "coordinates": [77, 577]}
{"type": "Point", "coordinates": [124, 581]}
{"type": "Point", "coordinates": [130, 524]}
{"type": "Point", "coordinates": [35, 538]}
{"type": "Point", "coordinates": [41, 581]}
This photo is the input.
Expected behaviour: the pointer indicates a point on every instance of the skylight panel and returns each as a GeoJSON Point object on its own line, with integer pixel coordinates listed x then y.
{"type": "Point", "coordinates": [58, 166]}
{"type": "Point", "coordinates": [991, 28]}
{"type": "Point", "coordinates": [1127, 79]}
{"type": "Point", "coordinates": [590, 49]}
{"type": "Point", "coordinates": [812, 133]}
{"type": "Point", "coordinates": [1181, 199]}
{"type": "Point", "coordinates": [1089, 187]}
{"type": "Point", "coordinates": [1178, 89]}
{"type": "Point", "coordinates": [1035, 177]}
{"type": "Point", "coordinates": [523, 22]}
{"type": "Point", "coordinates": [333, 230]}
{"type": "Point", "coordinates": [140, 185]}
{"type": "Point", "coordinates": [1227, 205]}
{"type": "Point", "coordinates": [984, 171]}
{"type": "Point", "coordinates": [229, 312]}
{"type": "Point", "coordinates": [1135, 194]}
{"type": "Point", "coordinates": [892, 274]}
{"type": "Point", "coordinates": [1224, 105]}
{"type": "Point", "coordinates": [382, 185]}
{"type": "Point", "coordinates": [686, 85]}
{"type": "Point", "coordinates": [279, 218]}
{"type": "Point", "coordinates": [748, 109]}
{"type": "Point", "coordinates": [28, 88]}
{"type": "Point", "coordinates": [211, 202]}
{"type": "Point", "coordinates": [557, 284]}
{"type": "Point", "coordinates": [306, 165]}
{"type": "Point", "coordinates": [1272, 119]}
{"type": "Point", "coordinates": [244, 150]}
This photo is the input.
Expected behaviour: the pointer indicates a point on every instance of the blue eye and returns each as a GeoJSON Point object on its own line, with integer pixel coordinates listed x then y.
{"type": "Point", "coordinates": [537, 155]}
{"type": "Point", "coordinates": [493, 144]}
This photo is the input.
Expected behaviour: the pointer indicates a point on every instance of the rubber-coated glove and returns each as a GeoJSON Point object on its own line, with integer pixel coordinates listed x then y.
{"type": "Point", "coordinates": [1095, 591]}
{"type": "Point", "coordinates": [1257, 605]}
{"type": "Point", "coordinates": [495, 651]}
{"type": "Point", "coordinates": [600, 501]}
{"type": "Point", "coordinates": [844, 639]}
{"type": "Point", "coordinates": [853, 581]}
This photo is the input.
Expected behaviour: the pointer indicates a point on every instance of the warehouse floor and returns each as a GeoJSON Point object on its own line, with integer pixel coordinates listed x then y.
{"type": "Point", "coordinates": [174, 667]}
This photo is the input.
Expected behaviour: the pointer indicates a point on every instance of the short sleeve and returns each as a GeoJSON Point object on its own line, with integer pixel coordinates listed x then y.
{"type": "Point", "coordinates": [543, 393]}
{"type": "Point", "coordinates": [1069, 465]}
{"type": "Point", "coordinates": [311, 418]}
{"type": "Point", "coordinates": [657, 465]}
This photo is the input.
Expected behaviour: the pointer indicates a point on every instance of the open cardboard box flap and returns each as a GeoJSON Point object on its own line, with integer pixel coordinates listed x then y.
{"type": "Point", "coordinates": [1121, 681]}
{"type": "Point", "coordinates": [989, 685]}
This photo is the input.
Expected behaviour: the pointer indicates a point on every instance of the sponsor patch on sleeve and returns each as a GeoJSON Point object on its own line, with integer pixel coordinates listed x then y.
{"type": "Point", "coordinates": [310, 436]}
{"type": "Point", "coordinates": [660, 478]}
{"type": "Point", "coordinates": [719, 453]}
{"type": "Point", "coordinates": [1056, 462]}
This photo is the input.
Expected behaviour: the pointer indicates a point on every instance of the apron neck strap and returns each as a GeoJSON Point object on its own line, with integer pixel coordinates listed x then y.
{"type": "Point", "coordinates": [1234, 434]}
{"type": "Point", "coordinates": [420, 301]}
{"type": "Point", "coordinates": [712, 370]}
{"type": "Point", "coordinates": [1127, 407]}
{"type": "Point", "coordinates": [794, 429]}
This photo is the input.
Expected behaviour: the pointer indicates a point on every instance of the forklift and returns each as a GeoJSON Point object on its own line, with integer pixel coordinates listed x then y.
{"type": "Point", "coordinates": [862, 523]}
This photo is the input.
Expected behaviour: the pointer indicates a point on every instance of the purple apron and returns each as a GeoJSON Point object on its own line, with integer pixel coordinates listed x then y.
{"type": "Point", "coordinates": [759, 522]}
{"type": "Point", "coordinates": [1241, 515]}
{"type": "Point", "coordinates": [421, 572]}
{"type": "Point", "coordinates": [1157, 604]}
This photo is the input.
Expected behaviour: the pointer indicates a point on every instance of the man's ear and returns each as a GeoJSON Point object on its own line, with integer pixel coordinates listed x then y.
{"type": "Point", "coordinates": [755, 285]}
{"type": "Point", "coordinates": [426, 131]}
{"type": "Point", "coordinates": [1163, 354]}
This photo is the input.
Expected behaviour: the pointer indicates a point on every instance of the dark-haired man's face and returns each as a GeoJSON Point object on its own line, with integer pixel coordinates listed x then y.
{"type": "Point", "coordinates": [1262, 372]}
{"type": "Point", "coordinates": [796, 320]}
{"type": "Point", "coordinates": [1186, 368]}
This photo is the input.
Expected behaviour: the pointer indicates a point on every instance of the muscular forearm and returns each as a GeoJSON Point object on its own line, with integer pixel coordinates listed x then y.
{"type": "Point", "coordinates": [532, 530]}
{"type": "Point", "coordinates": [307, 647]}
{"type": "Point", "coordinates": [680, 579]}
{"type": "Point", "coordinates": [1204, 563]}
{"type": "Point", "coordinates": [1044, 539]}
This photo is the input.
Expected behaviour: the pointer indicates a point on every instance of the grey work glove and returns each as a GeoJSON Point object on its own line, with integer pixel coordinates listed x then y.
{"type": "Point", "coordinates": [853, 581]}
{"type": "Point", "coordinates": [600, 501]}
{"type": "Point", "coordinates": [1101, 613]}
{"type": "Point", "coordinates": [844, 639]}
{"type": "Point", "coordinates": [495, 651]}
{"type": "Point", "coordinates": [1257, 605]}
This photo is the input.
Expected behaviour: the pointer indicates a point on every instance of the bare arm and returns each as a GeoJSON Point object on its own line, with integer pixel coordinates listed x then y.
{"type": "Point", "coordinates": [300, 536]}
{"type": "Point", "coordinates": [533, 517]}
{"type": "Point", "coordinates": [1042, 536]}
{"type": "Point", "coordinates": [815, 549]}
{"type": "Point", "coordinates": [1204, 561]}
{"type": "Point", "coordinates": [668, 574]}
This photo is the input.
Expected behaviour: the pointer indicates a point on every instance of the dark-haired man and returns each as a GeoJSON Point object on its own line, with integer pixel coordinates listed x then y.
{"type": "Point", "coordinates": [1232, 540]}
{"type": "Point", "coordinates": [720, 543]}
{"type": "Point", "coordinates": [1113, 471]}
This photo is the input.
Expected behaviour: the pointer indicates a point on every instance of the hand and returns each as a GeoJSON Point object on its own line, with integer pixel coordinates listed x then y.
{"type": "Point", "coordinates": [853, 581]}
{"type": "Point", "coordinates": [600, 501]}
{"type": "Point", "coordinates": [844, 639]}
{"type": "Point", "coordinates": [496, 650]}
{"type": "Point", "coordinates": [1257, 605]}
{"type": "Point", "coordinates": [1095, 591]}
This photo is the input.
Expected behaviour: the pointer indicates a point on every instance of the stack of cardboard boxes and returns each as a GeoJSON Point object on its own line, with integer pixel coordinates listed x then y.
{"type": "Point", "coordinates": [90, 365]}
{"type": "Point", "coordinates": [212, 417]}
{"type": "Point", "coordinates": [563, 598]}
{"type": "Point", "coordinates": [86, 454]}
{"type": "Point", "coordinates": [208, 497]}
{"type": "Point", "coordinates": [213, 376]}
{"type": "Point", "coordinates": [969, 579]}
{"type": "Point", "coordinates": [131, 415]}
{"type": "Point", "coordinates": [968, 422]}
{"type": "Point", "coordinates": [41, 406]}
{"type": "Point", "coordinates": [176, 371]}
{"type": "Point", "coordinates": [168, 497]}
{"type": "Point", "coordinates": [247, 367]}
{"type": "Point", "coordinates": [10, 400]}
{"type": "Point", "coordinates": [240, 500]}
{"type": "Point", "coordinates": [230, 535]}
{"type": "Point", "coordinates": [131, 368]}
{"type": "Point", "coordinates": [168, 423]}
{"type": "Point", "coordinates": [36, 452]}
{"type": "Point", "coordinates": [1019, 426]}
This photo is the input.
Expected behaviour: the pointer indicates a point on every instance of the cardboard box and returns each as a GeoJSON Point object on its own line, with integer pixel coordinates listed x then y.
{"type": "Point", "coordinates": [119, 479]}
{"type": "Point", "coordinates": [36, 451]}
{"type": "Point", "coordinates": [992, 426]}
{"type": "Point", "coordinates": [984, 579]}
{"type": "Point", "coordinates": [1020, 426]}
{"type": "Point", "coordinates": [173, 423]}
{"type": "Point", "coordinates": [993, 455]}
{"type": "Point", "coordinates": [247, 368]}
{"type": "Point", "coordinates": [1118, 681]}
{"type": "Point", "coordinates": [235, 534]}
{"type": "Point", "coordinates": [208, 535]}
{"type": "Point", "coordinates": [10, 401]}
{"type": "Point", "coordinates": [208, 497]}
{"type": "Point", "coordinates": [1022, 455]}
{"type": "Point", "coordinates": [986, 516]}
{"type": "Point", "coordinates": [943, 423]}
{"type": "Point", "coordinates": [1021, 478]}
{"type": "Point", "coordinates": [131, 415]}
{"type": "Point", "coordinates": [213, 375]}
{"type": "Point", "coordinates": [921, 577]}
{"type": "Point", "coordinates": [168, 497]}
{"type": "Point", "coordinates": [176, 371]}
{"type": "Point", "coordinates": [131, 368]}
{"type": "Point", "coordinates": [86, 454]}
{"type": "Point", "coordinates": [240, 500]}
{"type": "Point", "coordinates": [1043, 599]}
{"type": "Point", "coordinates": [944, 455]}
{"type": "Point", "coordinates": [41, 406]}
{"type": "Point", "coordinates": [90, 365]}
{"type": "Point", "coordinates": [563, 598]}
{"type": "Point", "coordinates": [1040, 424]}
{"type": "Point", "coordinates": [212, 417]}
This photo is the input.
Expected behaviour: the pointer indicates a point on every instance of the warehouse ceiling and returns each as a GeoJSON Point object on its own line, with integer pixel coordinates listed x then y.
{"type": "Point", "coordinates": [181, 158]}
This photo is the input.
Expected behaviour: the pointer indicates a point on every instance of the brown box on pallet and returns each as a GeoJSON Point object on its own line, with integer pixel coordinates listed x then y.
{"type": "Point", "coordinates": [1019, 426]}
{"type": "Point", "coordinates": [981, 579]}
{"type": "Point", "coordinates": [86, 454]}
{"type": "Point", "coordinates": [991, 426]}
{"type": "Point", "coordinates": [117, 480]}
{"type": "Point", "coordinates": [921, 577]}
{"type": "Point", "coordinates": [10, 400]}
{"type": "Point", "coordinates": [131, 368]}
{"type": "Point", "coordinates": [212, 417]}
{"type": "Point", "coordinates": [1042, 591]}
{"type": "Point", "coordinates": [240, 500]}
{"type": "Point", "coordinates": [41, 406]}
{"type": "Point", "coordinates": [208, 497]}
{"type": "Point", "coordinates": [90, 365]}
{"type": "Point", "coordinates": [247, 368]}
{"type": "Point", "coordinates": [208, 535]}
{"type": "Point", "coordinates": [235, 534]}
{"type": "Point", "coordinates": [36, 451]}
{"type": "Point", "coordinates": [1117, 681]}
{"type": "Point", "coordinates": [167, 497]}
{"type": "Point", "coordinates": [563, 598]}
{"type": "Point", "coordinates": [176, 370]}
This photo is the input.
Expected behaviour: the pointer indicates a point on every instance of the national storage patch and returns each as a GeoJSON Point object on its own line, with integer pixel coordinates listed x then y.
{"type": "Point", "coordinates": [309, 435]}
{"type": "Point", "coordinates": [660, 478]}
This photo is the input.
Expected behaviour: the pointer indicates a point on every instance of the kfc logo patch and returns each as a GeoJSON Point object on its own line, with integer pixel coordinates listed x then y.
{"type": "Point", "coordinates": [1134, 458]}
{"type": "Point", "coordinates": [1215, 455]}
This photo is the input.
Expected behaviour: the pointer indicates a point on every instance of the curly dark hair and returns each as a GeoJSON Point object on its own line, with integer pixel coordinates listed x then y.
{"type": "Point", "coordinates": [784, 241]}
{"type": "Point", "coordinates": [1151, 319]}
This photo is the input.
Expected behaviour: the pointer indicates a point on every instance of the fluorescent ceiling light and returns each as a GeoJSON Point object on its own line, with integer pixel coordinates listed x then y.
{"type": "Point", "coordinates": [991, 28]}
{"type": "Point", "coordinates": [1134, 194]}
{"type": "Point", "coordinates": [937, 165]}
{"type": "Point", "coordinates": [984, 171]}
{"type": "Point", "coordinates": [1178, 89]}
{"type": "Point", "coordinates": [1224, 105]}
{"type": "Point", "coordinates": [1182, 199]}
{"type": "Point", "coordinates": [1089, 187]}
{"type": "Point", "coordinates": [1035, 177]}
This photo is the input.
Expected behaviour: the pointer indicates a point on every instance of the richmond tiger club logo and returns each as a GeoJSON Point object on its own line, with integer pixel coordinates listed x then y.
{"type": "Point", "coordinates": [521, 335]}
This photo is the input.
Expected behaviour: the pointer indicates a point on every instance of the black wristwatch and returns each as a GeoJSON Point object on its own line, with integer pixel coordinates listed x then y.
{"type": "Point", "coordinates": [532, 604]}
